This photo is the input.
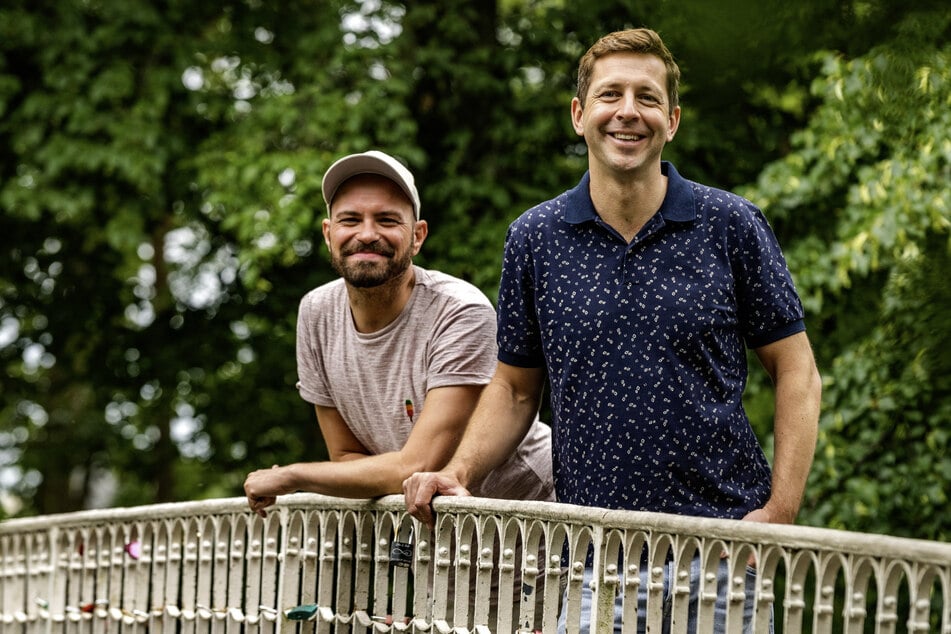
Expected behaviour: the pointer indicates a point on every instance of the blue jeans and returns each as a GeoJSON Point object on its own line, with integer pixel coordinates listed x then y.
{"type": "Point", "coordinates": [669, 573]}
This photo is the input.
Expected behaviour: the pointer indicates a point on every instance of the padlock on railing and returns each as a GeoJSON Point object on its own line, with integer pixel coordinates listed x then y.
{"type": "Point", "coordinates": [401, 552]}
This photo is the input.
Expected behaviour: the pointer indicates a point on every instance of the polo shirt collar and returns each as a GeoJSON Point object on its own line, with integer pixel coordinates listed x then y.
{"type": "Point", "coordinates": [679, 203]}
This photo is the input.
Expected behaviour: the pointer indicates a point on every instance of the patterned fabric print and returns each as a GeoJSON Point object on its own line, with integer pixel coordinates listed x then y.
{"type": "Point", "coordinates": [644, 345]}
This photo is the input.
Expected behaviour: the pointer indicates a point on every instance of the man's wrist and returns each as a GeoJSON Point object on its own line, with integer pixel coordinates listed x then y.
{"type": "Point", "coordinates": [293, 479]}
{"type": "Point", "coordinates": [778, 513]}
{"type": "Point", "coordinates": [458, 472]}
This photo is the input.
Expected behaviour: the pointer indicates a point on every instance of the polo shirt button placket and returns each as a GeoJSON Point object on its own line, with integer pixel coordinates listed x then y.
{"type": "Point", "coordinates": [630, 270]}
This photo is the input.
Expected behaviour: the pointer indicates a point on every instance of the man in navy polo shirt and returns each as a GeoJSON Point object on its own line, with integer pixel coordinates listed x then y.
{"type": "Point", "coordinates": [635, 294]}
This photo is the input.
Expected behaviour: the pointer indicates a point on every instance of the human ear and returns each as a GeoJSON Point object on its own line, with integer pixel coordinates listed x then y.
{"type": "Point", "coordinates": [577, 116]}
{"type": "Point", "coordinates": [420, 231]}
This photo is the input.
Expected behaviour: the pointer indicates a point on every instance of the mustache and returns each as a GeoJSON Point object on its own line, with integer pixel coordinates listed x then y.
{"type": "Point", "coordinates": [375, 248]}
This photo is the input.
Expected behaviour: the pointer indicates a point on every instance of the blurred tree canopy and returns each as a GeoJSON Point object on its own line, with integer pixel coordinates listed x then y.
{"type": "Point", "coordinates": [159, 187]}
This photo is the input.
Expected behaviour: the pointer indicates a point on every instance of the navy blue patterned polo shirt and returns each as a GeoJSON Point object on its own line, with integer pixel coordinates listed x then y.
{"type": "Point", "coordinates": [644, 345]}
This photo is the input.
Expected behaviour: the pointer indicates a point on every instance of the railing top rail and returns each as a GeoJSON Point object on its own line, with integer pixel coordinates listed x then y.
{"type": "Point", "coordinates": [788, 536]}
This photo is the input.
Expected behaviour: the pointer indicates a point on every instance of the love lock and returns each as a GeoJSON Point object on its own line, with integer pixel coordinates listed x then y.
{"type": "Point", "coordinates": [401, 553]}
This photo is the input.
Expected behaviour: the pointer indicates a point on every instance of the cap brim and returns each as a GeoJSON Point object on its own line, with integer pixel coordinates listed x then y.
{"type": "Point", "coordinates": [369, 163]}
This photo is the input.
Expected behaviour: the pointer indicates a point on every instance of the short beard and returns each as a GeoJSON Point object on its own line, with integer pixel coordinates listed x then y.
{"type": "Point", "coordinates": [370, 274]}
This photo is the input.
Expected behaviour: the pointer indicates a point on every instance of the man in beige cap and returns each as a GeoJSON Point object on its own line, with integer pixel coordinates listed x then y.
{"type": "Point", "coordinates": [393, 356]}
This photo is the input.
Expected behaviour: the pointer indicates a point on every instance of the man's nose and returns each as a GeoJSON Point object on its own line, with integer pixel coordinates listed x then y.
{"type": "Point", "coordinates": [368, 231]}
{"type": "Point", "coordinates": [627, 107]}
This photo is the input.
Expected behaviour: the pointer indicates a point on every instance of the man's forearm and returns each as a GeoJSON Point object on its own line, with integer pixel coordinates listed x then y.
{"type": "Point", "coordinates": [795, 433]}
{"type": "Point", "coordinates": [367, 477]}
{"type": "Point", "coordinates": [498, 425]}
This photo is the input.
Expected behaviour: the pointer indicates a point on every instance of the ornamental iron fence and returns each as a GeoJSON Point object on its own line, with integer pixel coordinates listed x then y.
{"type": "Point", "coordinates": [325, 564]}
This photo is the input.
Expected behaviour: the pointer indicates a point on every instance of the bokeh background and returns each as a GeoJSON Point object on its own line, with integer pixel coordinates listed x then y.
{"type": "Point", "coordinates": [160, 206]}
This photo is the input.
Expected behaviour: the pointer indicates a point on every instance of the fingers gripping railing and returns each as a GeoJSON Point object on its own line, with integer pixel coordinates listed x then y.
{"type": "Point", "coordinates": [322, 564]}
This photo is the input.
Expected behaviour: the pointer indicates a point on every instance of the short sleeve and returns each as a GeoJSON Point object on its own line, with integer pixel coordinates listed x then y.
{"type": "Point", "coordinates": [519, 338]}
{"type": "Point", "coordinates": [312, 382]}
{"type": "Point", "coordinates": [463, 348]}
{"type": "Point", "coordinates": [769, 306]}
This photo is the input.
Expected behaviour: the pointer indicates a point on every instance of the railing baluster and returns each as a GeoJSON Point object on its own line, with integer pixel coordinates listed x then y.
{"type": "Point", "coordinates": [661, 548]}
{"type": "Point", "coordinates": [509, 567]}
{"type": "Point", "coordinates": [269, 600]}
{"type": "Point", "coordinates": [609, 552]}
{"type": "Point", "coordinates": [109, 580]}
{"type": "Point", "coordinates": [556, 540]}
{"type": "Point", "coordinates": [85, 600]}
{"type": "Point", "coordinates": [533, 577]}
{"type": "Point", "coordinates": [310, 560]}
{"type": "Point", "coordinates": [26, 616]}
{"type": "Point", "coordinates": [254, 550]}
{"type": "Point", "coordinates": [829, 565]}
{"type": "Point", "coordinates": [487, 593]}
{"type": "Point", "coordinates": [920, 599]}
{"type": "Point", "coordinates": [22, 590]}
{"type": "Point", "coordinates": [218, 602]}
{"type": "Point", "coordinates": [891, 577]}
{"type": "Point", "coordinates": [38, 582]}
{"type": "Point", "coordinates": [136, 595]}
{"type": "Point", "coordinates": [363, 571]}
{"type": "Point", "coordinates": [702, 590]}
{"type": "Point", "coordinates": [326, 577]}
{"type": "Point", "coordinates": [292, 564]}
{"type": "Point", "coordinates": [385, 533]}
{"type": "Point", "coordinates": [579, 540]}
{"type": "Point", "coordinates": [346, 544]}
{"type": "Point", "coordinates": [635, 545]}
{"type": "Point", "coordinates": [795, 601]}
{"type": "Point", "coordinates": [160, 553]}
{"type": "Point", "coordinates": [404, 578]}
{"type": "Point", "coordinates": [32, 582]}
{"type": "Point", "coordinates": [238, 567]}
{"type": "Point", "coordinates": [442, 572]}
{"type": "Point", "coordinates": [423, 571]}
{"type": "Point", "coordinates": [55, 601]}
{"type": "Point", "coordinates": [741, 586]}
{"type": "Point", "coordinates": [462, 569]}
{"type": "Point", "coordinates": [174, 577]}
{"type": "Point", "coordinates": [204, 540]}
{"type": "Point", "coordinates": [188, 577]}
{"type": "Point", "coordinates": [767, 566]}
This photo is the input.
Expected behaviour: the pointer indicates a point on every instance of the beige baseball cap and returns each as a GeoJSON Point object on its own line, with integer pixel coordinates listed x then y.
{"type": "Point", "coordinates": [372, 162]}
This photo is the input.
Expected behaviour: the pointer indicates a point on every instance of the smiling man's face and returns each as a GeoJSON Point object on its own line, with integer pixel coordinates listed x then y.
{"type": "Point", "coordinates": [371, 232]}
{"type": "Point", "coordinates": [626, 119]}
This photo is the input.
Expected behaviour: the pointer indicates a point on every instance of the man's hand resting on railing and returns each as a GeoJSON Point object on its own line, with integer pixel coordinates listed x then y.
{"type": "Point", "coordinates": [264, 485]}
{"type": "Point", "coordinates": [420, 488]}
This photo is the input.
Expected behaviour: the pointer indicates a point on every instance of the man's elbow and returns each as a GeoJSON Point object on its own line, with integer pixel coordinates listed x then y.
{"type": "Point", "coordinates": [814, 387]}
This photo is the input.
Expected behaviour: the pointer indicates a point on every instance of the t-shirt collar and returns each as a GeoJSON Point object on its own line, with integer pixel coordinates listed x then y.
{"type": "Point", "coordinates": [679, 204]}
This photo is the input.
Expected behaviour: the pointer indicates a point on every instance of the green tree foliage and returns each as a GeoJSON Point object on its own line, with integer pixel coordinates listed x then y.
{"type": "Point", "coordinates": [866, 192]}
{"type": "Point", "coordinates": [129, 333]}
{"type": "Point", "coordinates": [159, 189]}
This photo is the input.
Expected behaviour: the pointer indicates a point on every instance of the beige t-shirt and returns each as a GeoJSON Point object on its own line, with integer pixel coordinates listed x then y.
{"type": "Point", "coordinates": [378, 381]}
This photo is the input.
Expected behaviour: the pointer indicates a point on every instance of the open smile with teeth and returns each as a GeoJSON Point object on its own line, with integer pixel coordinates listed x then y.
{"type": "Point", "coordinates": [627, 136]}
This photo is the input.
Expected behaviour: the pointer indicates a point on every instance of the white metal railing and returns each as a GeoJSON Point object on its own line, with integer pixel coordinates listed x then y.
{"type": "Point", "coordinates": [328, 564]}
